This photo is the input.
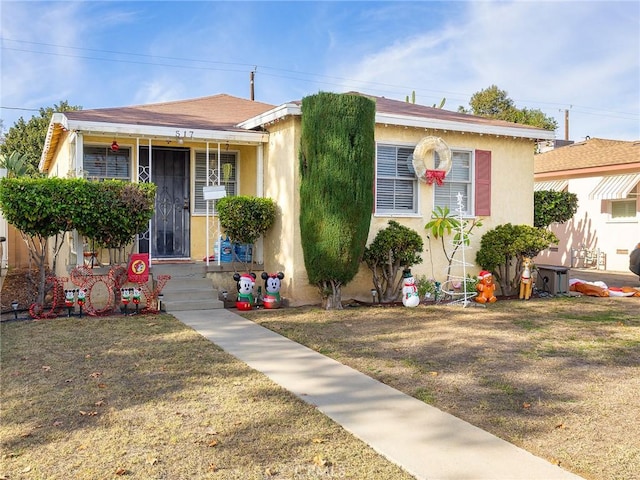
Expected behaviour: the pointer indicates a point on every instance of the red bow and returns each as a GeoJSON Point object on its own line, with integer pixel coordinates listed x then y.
{"type": "Point", "coordinates": [437, 175]}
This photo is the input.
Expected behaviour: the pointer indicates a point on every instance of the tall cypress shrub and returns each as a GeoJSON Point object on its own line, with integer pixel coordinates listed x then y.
{"type": "Point", "coordinates": [336, 188]}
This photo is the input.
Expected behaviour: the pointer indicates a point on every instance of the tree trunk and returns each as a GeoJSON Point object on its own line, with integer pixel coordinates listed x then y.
{"type": "Point", "coordinates": [332, 300]}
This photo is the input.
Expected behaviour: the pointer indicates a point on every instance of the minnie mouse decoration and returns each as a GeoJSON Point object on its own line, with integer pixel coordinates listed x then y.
{"type": "Point", "coordinates": [272, 285]}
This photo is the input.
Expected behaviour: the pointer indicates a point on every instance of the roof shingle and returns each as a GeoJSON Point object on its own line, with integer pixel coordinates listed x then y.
{"type": "Point", "coordinates": [594, 152]}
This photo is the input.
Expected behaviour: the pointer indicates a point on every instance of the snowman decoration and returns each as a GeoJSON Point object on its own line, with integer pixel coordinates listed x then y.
{"type": "Point", "coordinates": [245, 282]}
{"type": "Point", "coordinates": [410, 297]}
{"type": "Point", "coordinates": [272, 285]}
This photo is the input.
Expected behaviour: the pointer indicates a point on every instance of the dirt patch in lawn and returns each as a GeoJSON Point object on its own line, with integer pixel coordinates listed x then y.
{"type": "Point", "coordinates": [558, 377]}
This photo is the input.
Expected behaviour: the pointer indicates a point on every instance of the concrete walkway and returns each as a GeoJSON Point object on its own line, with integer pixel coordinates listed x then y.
{"type": "Point", "coordinates": [425, 441]}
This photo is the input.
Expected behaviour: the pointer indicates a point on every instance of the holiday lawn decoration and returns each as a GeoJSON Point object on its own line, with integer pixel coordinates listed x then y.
{"type": "Point", "coordinates": [485, 288]}
{"type": "Point", "coordinates": [525, 279]}
{"type": "Point", "coordinates": [245, 284]}
{"type": "Point", "coordinates": [272, 285]}
{"type": "Point", "coordinates": [410, 297]}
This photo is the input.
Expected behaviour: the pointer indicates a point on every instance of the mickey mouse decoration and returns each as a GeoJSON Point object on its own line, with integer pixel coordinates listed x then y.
{"type": "Point", "coordinates": [272, 285]}
{"type": "Point", "coordinates": [246, 282]}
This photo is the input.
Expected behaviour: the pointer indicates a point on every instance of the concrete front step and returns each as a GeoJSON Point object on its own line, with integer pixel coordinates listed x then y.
{"type": "Point", "coordinates": [188, 304]}
{"type": "Point", "coordinates": [188, 288]}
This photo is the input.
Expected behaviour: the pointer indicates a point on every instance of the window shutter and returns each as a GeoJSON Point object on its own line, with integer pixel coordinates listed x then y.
{"type": "Point", "coordinates": [483, 183]}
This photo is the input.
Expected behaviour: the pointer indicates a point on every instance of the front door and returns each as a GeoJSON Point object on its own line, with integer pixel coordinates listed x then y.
{"type": "Point", "coordinates": [170, 225]}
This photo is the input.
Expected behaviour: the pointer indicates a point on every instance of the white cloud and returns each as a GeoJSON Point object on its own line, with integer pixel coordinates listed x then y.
{"type": "Point", "coordinates": [547, 55]}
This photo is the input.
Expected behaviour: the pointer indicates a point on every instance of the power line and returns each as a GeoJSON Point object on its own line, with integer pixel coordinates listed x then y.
{"type": "Point", "coordinates": [299, 76]}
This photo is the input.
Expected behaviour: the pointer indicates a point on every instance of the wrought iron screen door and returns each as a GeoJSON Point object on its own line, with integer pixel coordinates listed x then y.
{"type": "Point", "coordinates": [170, 225]}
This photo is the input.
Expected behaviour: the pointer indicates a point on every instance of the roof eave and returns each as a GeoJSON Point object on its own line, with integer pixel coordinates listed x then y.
{"type": "Point", "coordinates": [272, 115]}
{"type": "Point", "coordinates": [57, 125]}
{"type": "Point", "coordinates": [411, 121]}
{"type": "Point", "coordinates": [448, 125]}
{"type": "Point", "coordinates": [150, 131]}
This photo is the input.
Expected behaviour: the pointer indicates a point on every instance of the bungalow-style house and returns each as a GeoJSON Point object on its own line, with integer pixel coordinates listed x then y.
{"type": "Point", "coordinates": [605, 176]}
{"type": "Point", "coordinates": [183, 146]}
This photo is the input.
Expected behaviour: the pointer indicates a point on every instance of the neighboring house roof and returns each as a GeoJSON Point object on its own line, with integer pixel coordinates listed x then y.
{"type": "Point", "coordinates": [592, 155]}
{"type": "Point", "coordinates": [395, 112]}
{"type": "Point", "coordinates": [615, 162]}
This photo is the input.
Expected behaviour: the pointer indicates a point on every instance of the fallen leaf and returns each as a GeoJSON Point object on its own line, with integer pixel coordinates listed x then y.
{"type": "Point", "coordinates": [270, 472]}
{"type": "Point", "coordinates": [25, 470]}
{"type": "Point", "coordinates": [102, 385]}
{"type": "Point", "coordinates": [87, 356]}
{"type": "Point", "coordinates": [151, 324]}
{"type": "Point", "coordinates": [213, 467]}
{"type": "Point", "coordinates": [433, 374]}
{"type": "Point", "coordinates": [57, 423]}
{"type": "Point", "coordinates": [121, 471]}
{"type": "Point", "coordinates": [318, 440]}
{"type": "Point", "coordinates": [68, 380]}
{"type": "Point", "coordinates": [25, 435]}
{"type": "Point", "coordinates": [320, 461]}
{"type": "Point", "coordinates": [46, 368]}
{"type": "Point", "coordinates": [212, 432]}
{"type": "Point", "coordinates": [96, 374]}
{"type": "Point", "coordinates": [99, 403]}
{"type": "Point", "coordinates": [213, 443]}
{"type": "Point", "coordinates": [560, 425]}
{"type": "Point", "coordinates": [526, 405]}
{"type": "Point", "coordinates": [152, 461]}
{"type": "Point", "coordinates": [555, 461]}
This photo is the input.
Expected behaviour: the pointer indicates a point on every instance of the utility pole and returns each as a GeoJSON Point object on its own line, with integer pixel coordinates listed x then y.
{"type": "Point", "coordinates": [251, 82]}
{"type": "Point", "coordinates": [566, 124]}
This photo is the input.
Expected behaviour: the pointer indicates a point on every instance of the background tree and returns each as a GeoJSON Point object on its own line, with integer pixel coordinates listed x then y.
{"type": "Point", "coordinates": [27, 137]}
{"type": "Point", "coordinates": [336, 160]}
{"type": "Point", "coordinates": [503, 248]}
{"type": "Point", "coordinates": [553, 207]}
{"type": "Point", "coordinates": [15, 163]}
{"type": "Point", "coordinates": [494, 103]}
{"type": "Point", "coordinates": [395, 248]}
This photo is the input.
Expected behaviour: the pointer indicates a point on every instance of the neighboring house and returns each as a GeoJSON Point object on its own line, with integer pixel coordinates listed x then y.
{"type": "Point", "coordinates": [605, 176]}
{"type": "Point", "coordinates": [14, 252]}
{"type": "Point", "coordinates": [181, 146]}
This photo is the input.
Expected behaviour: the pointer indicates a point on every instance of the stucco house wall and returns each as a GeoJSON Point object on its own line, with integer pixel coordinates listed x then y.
{"type": "Point", "coordinates": [580, 168]}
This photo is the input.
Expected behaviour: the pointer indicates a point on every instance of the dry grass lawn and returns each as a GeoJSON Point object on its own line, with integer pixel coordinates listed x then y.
{"type": "Point", "coordinates": [145, 397]}
{"type": "Point", "coordinates": [558, 377]}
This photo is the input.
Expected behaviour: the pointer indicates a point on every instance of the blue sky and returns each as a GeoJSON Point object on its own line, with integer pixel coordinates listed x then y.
{"type": "Point", "coordinates": [551, 55]}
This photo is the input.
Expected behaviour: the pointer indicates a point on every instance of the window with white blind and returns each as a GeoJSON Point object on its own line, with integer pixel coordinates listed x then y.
{"type": "Point", "coordinates": [201, 174]}
{"type": "Point", "coordinates": [101, 163]}
{"type": "Point", "coordinates": [623, 209]}
{"type": "Point", "coordinates": [396, 184]}
{"type": "Point", "coordinates": [458, 180]}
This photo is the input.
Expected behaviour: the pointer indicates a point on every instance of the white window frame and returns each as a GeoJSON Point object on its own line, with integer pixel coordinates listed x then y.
{"type": "Point", "coordinates": [108, 153]}
{"type": "Point", "coordinates": [461, 179]}
{"type": "Point", "coordinates": [200, 176]}
{"type": "Point", "coordinates": [631, 203]}
{"type": "Point", "coordinates": [396, 184]}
